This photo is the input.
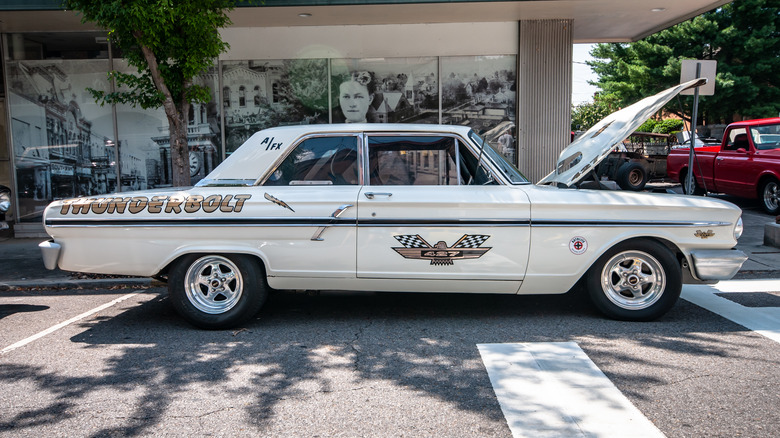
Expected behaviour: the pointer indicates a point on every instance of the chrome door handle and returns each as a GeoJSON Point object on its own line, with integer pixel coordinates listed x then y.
{"type": "Point", "coordinates": [372, 195]}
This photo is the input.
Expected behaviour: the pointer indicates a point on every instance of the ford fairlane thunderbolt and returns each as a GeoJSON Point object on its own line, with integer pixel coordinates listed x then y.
{"type": "Point", "coordinates": [402, 208]}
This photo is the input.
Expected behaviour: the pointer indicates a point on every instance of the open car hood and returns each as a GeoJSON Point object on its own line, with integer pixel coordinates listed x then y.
{"type": "Point", "coordinates": [585, 153]}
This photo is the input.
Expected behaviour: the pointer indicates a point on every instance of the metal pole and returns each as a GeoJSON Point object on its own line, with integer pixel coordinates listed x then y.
{"type": "Point", "coordinates": [114, 119]}
{"type": "Point", "coordinates": [689, 183]}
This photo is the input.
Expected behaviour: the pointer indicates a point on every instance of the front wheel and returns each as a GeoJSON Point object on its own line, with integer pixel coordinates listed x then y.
{"type": "Point", "coordinates": [637, 280]}
{"type": "Point", "coordinates": [217, 291]}
{"type": "Point", "coordinates": [769, 194]}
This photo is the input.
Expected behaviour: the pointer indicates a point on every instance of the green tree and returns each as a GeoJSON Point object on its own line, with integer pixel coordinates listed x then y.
{"type": "Point", "coordinates": [307, 84]}
{"type": "Point", "coordinates": [169, 43]}
{"type": "Point", "coordinates": [743, 36]}
{"type": "Point", "coordinates": [585, 115]}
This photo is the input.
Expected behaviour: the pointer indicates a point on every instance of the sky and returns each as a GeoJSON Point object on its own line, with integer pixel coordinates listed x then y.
{"type": "Point", "coordinates": [581, 91]}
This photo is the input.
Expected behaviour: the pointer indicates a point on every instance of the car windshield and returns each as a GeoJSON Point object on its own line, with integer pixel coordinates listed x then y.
{"type": "Point", "coordinates": [505, 167]}
{"type": "Point", "coordinates": [766, 136]}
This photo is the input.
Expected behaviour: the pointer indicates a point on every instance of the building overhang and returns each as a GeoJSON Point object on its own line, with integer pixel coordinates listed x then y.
{"type": "Point", "coordinates": [593, 20]}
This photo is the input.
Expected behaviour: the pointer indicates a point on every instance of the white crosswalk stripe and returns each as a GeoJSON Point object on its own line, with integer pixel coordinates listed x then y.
{"type": "Point", "coordinates": [552, 389]}
{"type": "Point", "coordinates": [762, 320]}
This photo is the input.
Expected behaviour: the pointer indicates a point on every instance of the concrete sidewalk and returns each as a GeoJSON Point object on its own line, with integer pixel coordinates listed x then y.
{"type": "Point", "coordinates": [22, 266]}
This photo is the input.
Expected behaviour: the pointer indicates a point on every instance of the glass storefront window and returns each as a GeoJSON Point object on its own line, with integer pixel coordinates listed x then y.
{"type": "Point", "coordinates": [61, 138]}
{"type": "Point", "coordinates": [64, 145]}
{"type": "Point", "coordinates": [283, 92]}
{"type": "Point", "coordinates": [480, 91]}
{"type": "Point", "coordinates": [144, 139]}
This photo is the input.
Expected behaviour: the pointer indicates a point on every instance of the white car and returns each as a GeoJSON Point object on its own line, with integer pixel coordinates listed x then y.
{"type": "Point", "coordinates": [407, 208]}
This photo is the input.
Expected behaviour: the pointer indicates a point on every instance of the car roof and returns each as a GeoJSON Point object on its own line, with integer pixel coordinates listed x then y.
{"type": "Point", "coordinates": [367, 127]}
{"type": "Point", "coordinates": [265, 147]}
{"type": "Point", "coordinates": [767, 121]}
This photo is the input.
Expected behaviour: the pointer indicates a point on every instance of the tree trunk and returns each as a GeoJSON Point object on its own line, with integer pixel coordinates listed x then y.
{"type": "Point", "coordinates": [177, 120]}
{"type": "Point", "coordinates": [180, 156]}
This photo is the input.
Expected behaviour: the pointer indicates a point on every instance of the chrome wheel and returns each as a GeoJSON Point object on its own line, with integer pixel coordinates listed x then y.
{"type": "Point", "coordinates": [213, 284]}
{"type": "Point", "coordinates": [633, 280]}
{"type": "Point", "coordinates": [770, 196]}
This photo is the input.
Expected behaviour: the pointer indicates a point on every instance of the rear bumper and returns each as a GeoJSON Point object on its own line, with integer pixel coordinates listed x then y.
{"type": "Point", "coordinates": [51, 253]}
{"type": "Point", "coordinates": [717, 264]}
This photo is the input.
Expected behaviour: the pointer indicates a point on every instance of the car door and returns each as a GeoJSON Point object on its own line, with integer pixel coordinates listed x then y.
{"type": "Point", "coordinates": [734, 171]}
{"type": "Point", "coordinates": [419, 219]}
{"type": "Point", "coordinates": [309, 202]}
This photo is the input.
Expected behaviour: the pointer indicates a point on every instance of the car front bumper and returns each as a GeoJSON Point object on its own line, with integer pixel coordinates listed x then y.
{"type": "Point", "coordinates": [717, 264]}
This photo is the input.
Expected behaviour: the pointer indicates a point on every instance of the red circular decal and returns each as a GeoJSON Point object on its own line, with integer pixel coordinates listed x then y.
{"type": "Point", "coordinates": [578, 245]}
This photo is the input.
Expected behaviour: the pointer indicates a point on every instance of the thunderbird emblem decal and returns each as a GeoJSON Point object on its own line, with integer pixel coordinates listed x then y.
{"type": "Point", "coordinates": [467, 247]}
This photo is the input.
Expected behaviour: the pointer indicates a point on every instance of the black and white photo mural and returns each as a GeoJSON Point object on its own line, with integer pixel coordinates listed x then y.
{"type": "Point", "coordinates": [480, 91]}
{"type": "Point", "coordinates": [261, 94]}
{"type": "Point", "coordinates": [62, 139]}
{"type": "Point", "coordinates": [385, 90]}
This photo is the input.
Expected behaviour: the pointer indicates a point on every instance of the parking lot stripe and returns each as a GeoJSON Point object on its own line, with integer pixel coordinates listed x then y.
{"type": "Point", "coordinates": [53, 329]}
{"type": "Point", "coordinates": [553, 389]}
{"type": "Point", "coordinates": [762, 320]}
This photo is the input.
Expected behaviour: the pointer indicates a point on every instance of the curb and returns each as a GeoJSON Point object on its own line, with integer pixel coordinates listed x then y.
{"type": "Point", "coordinates": [99, 283]}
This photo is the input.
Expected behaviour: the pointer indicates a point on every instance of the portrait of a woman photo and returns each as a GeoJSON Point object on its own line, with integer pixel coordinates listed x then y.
{"type": "Point", "coordinates": [356, 95]}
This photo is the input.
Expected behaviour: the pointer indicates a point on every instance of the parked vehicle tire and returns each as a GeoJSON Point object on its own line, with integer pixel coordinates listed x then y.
{"type": "Point", "coordinates": [698, 191]}
{"type": "Point", "coordinates": [631, 176]}
{"type": "Point", "coordinates": [769, 195]}
{"type": "Point", "coordinates": [215, 291]}
{"type": "Point", "coordinates": [636, 280]}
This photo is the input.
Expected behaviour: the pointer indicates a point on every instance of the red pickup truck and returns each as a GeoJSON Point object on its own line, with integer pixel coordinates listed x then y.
{"type": "Point", "coordinates": [745, 164]}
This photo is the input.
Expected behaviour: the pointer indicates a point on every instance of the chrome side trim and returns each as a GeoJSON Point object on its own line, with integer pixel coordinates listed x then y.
{"type": "Point", "coordinates": [318, 234]}
{"type": "Point", "coordinates": [284, 222]}
{"type": "Point", "coordinates": [624, 223]}
{"type": "Point", "coordinates": [363, 222]}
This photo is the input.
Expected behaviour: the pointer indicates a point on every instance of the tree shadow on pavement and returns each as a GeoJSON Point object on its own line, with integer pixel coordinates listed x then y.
{"type": "Point", "coordinates": [305, 351]}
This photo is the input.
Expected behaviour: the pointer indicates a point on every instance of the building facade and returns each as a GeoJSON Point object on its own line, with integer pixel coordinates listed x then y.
{"type": "Point", "coordinates": [503, 68]}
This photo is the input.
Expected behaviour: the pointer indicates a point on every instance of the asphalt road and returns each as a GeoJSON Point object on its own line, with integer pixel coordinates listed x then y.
{"type": "Point", "coordinates": [120, 363]}
{"type": "Point", "coordinates": [358, 365]}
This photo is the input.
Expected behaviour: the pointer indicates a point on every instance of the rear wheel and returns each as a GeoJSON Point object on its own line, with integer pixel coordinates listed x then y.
{"type": "Point", "coordinates": [637, 280]}
{"type": "Point", "coordinates": [217, 291]}
{"type": "Point", "coordinates": [632, 176]}
{"type": "Point", "coordinates": [698, 191]}
{"type": "Point", "coordinates": [768, 195]}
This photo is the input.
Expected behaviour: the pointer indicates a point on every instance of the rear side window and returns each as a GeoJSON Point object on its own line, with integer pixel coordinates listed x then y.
{"type": "Point", "coordinates": [319, 161]}
{"type": "Point", "coordinates": [412, 160]}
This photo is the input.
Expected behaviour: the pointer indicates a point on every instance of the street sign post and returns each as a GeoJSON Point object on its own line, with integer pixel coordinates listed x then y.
{"type": "Point", "coordinates": [695, 69]}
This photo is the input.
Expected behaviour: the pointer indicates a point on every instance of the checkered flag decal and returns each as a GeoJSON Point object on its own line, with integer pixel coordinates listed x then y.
{"type": "Point", "coordinates": [412, 241]}
{"type": "Point", "coordinates": [471, 241]}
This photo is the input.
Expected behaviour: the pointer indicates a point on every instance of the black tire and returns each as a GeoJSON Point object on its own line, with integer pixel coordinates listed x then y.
{"type": "Point", "coordinates": [636, 280]}
{"type": "Point", "coordinates": [697, 191]}
{"type": "Point", "coordinates": [216, 291]}
{"type": "Point", "coordinates": [769, 195]}
{"type": "Point", "coordinates": [632, 176]}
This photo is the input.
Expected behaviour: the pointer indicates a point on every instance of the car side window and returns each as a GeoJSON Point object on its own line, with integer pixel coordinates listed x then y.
{"type": "Point", "coordinates": [319, 161]}
{"type": "Point", "coordinates": [412, 160]}
{"type": "Point", "coordinates": [470, 172]}
{"type": "Point", "coordinates": [737, 139]}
